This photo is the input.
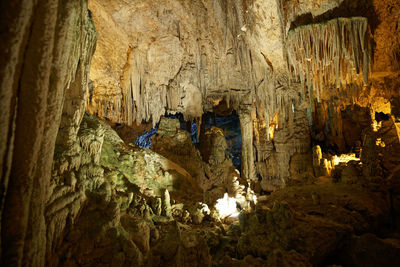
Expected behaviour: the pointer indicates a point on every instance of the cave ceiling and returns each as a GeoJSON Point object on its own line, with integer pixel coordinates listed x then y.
{"type": "Point", "coordinates": [154, 57]}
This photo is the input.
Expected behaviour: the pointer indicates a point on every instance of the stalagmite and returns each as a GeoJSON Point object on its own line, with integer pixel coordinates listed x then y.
{"type": "Point", "coordinates": [246, 129]}
{"type": "Point", "coordinates": [166, 205]}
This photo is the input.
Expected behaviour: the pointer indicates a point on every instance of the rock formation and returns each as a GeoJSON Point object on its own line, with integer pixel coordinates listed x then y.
{"type": "Point", "coordinates": [243, 62]}
{"type": "Point", "coordinates": [45, 61]}
{"type": "Point", "coordinates": [314, 84]}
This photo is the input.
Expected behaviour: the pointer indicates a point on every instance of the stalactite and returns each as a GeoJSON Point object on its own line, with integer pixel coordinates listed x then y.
{"type": "Point", "coordinates": [166, 74]}
{"type": "Point", "coordinates": [325, 55]}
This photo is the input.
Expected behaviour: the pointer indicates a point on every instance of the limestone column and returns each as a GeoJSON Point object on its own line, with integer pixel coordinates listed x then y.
{"type": "Point", "coordinates": [246, 129]}
{"type": "Point", "coordinates": [46, 40]}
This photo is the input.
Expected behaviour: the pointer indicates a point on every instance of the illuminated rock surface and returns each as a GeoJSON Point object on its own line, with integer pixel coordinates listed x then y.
{"type": "Point", "coordinates": [314, 86]}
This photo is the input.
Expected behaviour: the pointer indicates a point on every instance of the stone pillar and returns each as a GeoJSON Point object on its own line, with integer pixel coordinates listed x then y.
{"type": "Point", "coordinates": [45, 41]}
{"type": "Point", "coordinates": [246, 129]}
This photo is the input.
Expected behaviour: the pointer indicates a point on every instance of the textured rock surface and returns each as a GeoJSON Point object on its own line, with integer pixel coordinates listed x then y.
{"type": "Point", "coordinates": [169, 59]}
{"type": "Point", "coordinates": [176, 145]}
{"type": "Point", "coordinates": [105, 200]}
{"type": "Point", "coordinates": [187, 57]}
{"type": "Point", "coordinates": [72, 193]}
{"type": "Point", "coordinates": [311, 223]}
{"type": "Point", "coordinates": [45, 59]}
{"type": "Point", "coordinates": [212, 169]}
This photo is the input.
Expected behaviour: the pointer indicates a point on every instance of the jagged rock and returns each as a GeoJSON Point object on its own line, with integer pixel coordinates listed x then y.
{"type": "Point", "coordinates": [171, 140]}
{"type": "Point", "coordinates": [45, 61]}
{"type": "Point", "coordinates": [99, 237]}
{"type": "Point", "coordinates": [168, 127]}
{"type": "Point", "coordinates": [278, 157]}
{"type": "Point", "coordinates": [218, 177]}
{"type": "Point", "coordinates": [128, 168]}
{"type": "Point", "coordinates": [183, 73]}
{"type": "Point", "coordinates": [179, 148]}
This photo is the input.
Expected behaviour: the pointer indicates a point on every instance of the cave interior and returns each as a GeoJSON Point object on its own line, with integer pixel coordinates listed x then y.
{"type": "Point", "coordinates": [200, 133]}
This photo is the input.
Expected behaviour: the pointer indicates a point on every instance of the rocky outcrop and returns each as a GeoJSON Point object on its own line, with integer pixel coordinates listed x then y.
{"type": "Point", "coordinates": [286, 154]}
{"type": "Point", "coordinates": [176, 145]}
{"type": "Point", "coordinates": [126, 219]}
{"type": "Point", "coordinates": [147, 170]}
{"type": "Point", "coordinates": [76, 171]}
{"type": "Point", "coordinates": [311, 223]}
{"type": "Point", "coordinates": [105, 200]}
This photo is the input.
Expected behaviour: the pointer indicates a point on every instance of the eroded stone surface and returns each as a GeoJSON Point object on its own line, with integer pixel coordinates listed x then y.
{"type": "Point", "coordinates": [73, 194]}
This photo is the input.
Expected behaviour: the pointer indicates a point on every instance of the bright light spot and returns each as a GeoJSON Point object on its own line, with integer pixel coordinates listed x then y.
{"type": "Point", "coordinates": [236, 182]}
{"type": "Point", "coordinates": [271, 131]}
{"type": "Point", "coordinates": [226, 207]}
{"type": "Point", "coordinates": [204, 208]}
{"type": "Point", "coordinates": [293, 107]}
{"type": "Point", "coordinates": [244, 28]}
{"type": "Point", "coordinates": [345, 158]}
{"type": "Point", "coordinates": [273, 125]}
{"type": "Point", "coordinates": [380, 143]}
{"type": "Point", "coordinates": [255, 199]}
{"type": "Point", "coordinates": [376, 125]}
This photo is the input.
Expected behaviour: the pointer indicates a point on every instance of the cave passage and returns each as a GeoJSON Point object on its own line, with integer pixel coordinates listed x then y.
{"type": "Point", "coordinates": [231, 128]}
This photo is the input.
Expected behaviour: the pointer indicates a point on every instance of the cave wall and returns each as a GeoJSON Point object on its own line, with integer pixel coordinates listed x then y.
{"type": "Point", "coordinates": [171, 56]}
{"type": "Point", "coordinates": [178, 56]}
{"type": "Point", "coordinates": [45, 56]}
{"type": "Point", "coordinates": [164, 56]}
{"type": "Point", "coordinates": [370, 83]}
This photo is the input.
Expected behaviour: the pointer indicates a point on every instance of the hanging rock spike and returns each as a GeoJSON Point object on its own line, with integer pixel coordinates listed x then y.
{"type": "Point", "coordinates": [330, 54]}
